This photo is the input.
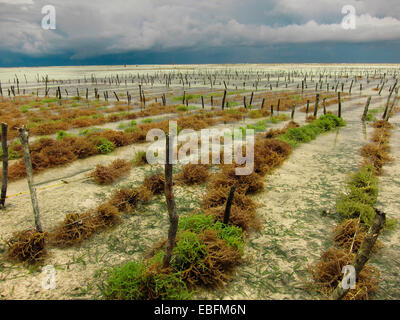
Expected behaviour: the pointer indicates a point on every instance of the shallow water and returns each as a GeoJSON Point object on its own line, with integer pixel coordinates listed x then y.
{"type": "Point", "coordinates": [294, 229]}
{"type": "Point", "coordinates": [297, 222]}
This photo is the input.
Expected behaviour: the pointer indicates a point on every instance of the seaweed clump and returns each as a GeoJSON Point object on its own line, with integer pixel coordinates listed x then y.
{"type": "Point", "coordinates": [27, 246]}
{"type": "Point", "coordinates": [327, 273]}
{"type": "Point", "coordinates": [155, 183]}
{"type": "Point", "coordinates": [360, 196]}
{"type": "Point", "coordinates": [350, 234]}
{"type": "Point", "coordinates": [143, 281]}
{"type": "Point", "coordinates": [126, 199]}
{"type": "Point", "coordinates": [193, 174]}
{"type": "Point", "coordinates": [296, 136]}
{"type": "Point", "coordinates": [108, 174]}
{"type": "Point", "coordinates": [75, 228]}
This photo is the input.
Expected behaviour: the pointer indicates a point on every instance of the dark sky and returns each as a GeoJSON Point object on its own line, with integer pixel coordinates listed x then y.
{"type": "Point", "coordinates": [195, 31]}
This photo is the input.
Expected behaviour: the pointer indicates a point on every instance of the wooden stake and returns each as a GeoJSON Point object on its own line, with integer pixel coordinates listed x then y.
{"type": "Point", "coordinates": [339, 106]}
{"type": "Point", "coordinates": [24, 137]}
{"type": "Point", "coordinates": [392, 106]}
{"type": "Point", "coordinates": [316, 105]}
{"type": "Point", "coordinates": [227, 212]}
{"type": "Point", "coordinates": [5, 164]}
{"type": "Point", "coordinates": [380, 90]}
{"type": "Point", "coordinates": [223, 100]}
{"type": "Point", "coordinates": [116, 96]}
{"type": "Point", "coordinates": [364, 116]}
{"type": "Point", "coordinates": [351, 86]}
{"type": "Point", "coordinates": [169, 197]}
{"type": "Point", "coordinates": [388, 101]}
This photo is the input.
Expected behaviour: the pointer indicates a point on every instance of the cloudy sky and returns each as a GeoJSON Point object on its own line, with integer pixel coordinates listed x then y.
{"type": "Point", "coordinates": [197, 31]}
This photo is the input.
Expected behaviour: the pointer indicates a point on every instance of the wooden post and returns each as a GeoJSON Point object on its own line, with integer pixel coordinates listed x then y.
{"type": "Point", "coordinates": [380, 90]}
{"type": "Point", "coordinates": [279, 105]}
{"type": "Point", "coordinates": [339, 106]}
{"type": "Point", "coordinates": [262, 103]}
{"type": "Point", "coordinates": [45, 90]}
{"type": "Point", "coordinates": [5, 164]}
{"type": "Point", "coordinates": [316, 105]}
{"type": "Point", "coordinates": [392, 106]}
{"type": "Point", "coordinates": [388, 101]}
{"type": "Point", "coordinates": [251, 98]}
{"type": "Point", "coordinates": [364, 116]}
{"type": "Point", "coordinates": [293, 110]}
{"type": "Point", "coordinates": [169, 197]}
{"type": "Point", "coordinates": [144, 100]}
{"type": "Point", "coordinates": [24, 137]}
{"type": "Point", "coordinates": [228, 206]}
{"type": "Point", "coordinates": [364, 252]}
{"type": "Point", "coordinates": [202, 102]}
{"type": "Point", "coordinates": [324, 104]}
{"type": "Point", "coordinates": [308, 106]}
{"type": "Point", "coordinates": [223, 100]}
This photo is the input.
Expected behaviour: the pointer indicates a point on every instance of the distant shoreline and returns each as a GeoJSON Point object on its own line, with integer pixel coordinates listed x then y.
{"type": "Point", "coordinates": [206, 64]}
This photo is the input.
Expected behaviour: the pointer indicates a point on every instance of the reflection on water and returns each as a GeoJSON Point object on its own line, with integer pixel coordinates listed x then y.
{"type": "Point", "coordinates": [364, 130]}
{"type": "Point", "coordinates": [336, 137]}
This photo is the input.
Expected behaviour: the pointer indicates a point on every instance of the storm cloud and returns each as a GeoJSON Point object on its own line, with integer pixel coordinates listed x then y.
{"type": "Point", "coordinates": [87, 29]}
